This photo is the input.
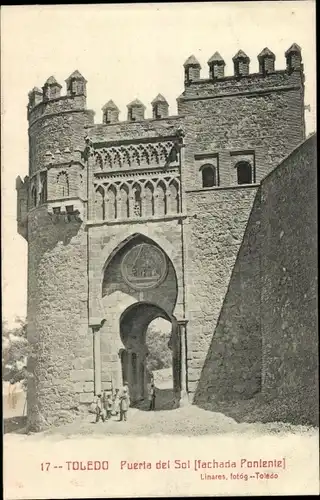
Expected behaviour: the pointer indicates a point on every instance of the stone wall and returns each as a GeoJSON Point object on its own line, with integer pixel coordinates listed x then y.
{"type": "Point", "coordinates": [62, 362]}
{"type": "Point", "coordinates": [254, 330]}
{"type": "Point", "coordinates": [222, 274]}
{"type": "Point", "coordinates": [255, 115]}
{"type": "Point", "coordinates": [59, 126]}
{"type": "Point", "coordinates": [117, 296]}
{"type": "Point", "coordinates": [122, 131]}
{"type": "Point", "coordinates": [106, 240]}
{"type": "Point", "coordinates": [289, 278]}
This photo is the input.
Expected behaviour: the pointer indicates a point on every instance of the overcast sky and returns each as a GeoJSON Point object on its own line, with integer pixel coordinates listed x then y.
{"type": "Point", "coordinates": [124, 51]}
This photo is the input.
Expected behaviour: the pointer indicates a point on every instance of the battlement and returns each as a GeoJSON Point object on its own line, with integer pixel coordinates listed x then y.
{"type": "Point", "coordinates": [48, 100]}
{"type": "Point", "coordinates": [241, 65]}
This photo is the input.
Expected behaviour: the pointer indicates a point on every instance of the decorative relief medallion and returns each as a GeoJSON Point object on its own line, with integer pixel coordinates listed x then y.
{"type": "Point", "coordinates": [144, 266]}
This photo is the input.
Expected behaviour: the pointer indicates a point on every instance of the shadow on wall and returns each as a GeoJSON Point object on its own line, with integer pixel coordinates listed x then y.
{"type": "Point", "coordinates": [232, 369]}
{"type": "Point", "coordinates": [270, 308]}
{"type": "Point", "coordinates": [49, 230]}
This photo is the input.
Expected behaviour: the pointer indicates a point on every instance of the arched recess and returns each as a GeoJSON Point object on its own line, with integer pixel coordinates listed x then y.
{"type": "Point", "coordinates": [100, 209]}
{"type": "Point", "coordinates": [148, 199]}
{"type": "Point", "coordinates": [160, 208]}
{"type": "Point", "coordinates": [154, 281]}
{"type": "Point", "coordinates": [110, 248]}
{"type": "Point", "coordinates": [244, 172]}
{"type": "Point", "coordinates": [62, 189]}
{"type": "Point", "coordinates": [123, 202]}
{"type": "Point", "coordinates": [163, 291]}
{"type": "Point", "coordinates": [134, 322]}
{"type": "Point", "coordinates": [111, 203]}
{"type": "Point", "coordinates": [209, 175]}
{"type": "Point", "coordinates": [137, 200]}
{"type": "Point", "coordinates": [173, 197]}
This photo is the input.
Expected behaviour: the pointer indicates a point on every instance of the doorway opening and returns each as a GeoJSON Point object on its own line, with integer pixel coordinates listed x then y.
{"type": "Point", "coordinates": [148, 335]}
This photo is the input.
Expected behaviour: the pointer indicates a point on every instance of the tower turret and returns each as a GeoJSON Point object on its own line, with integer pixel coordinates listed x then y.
{"type": "Point", "coordinates": [192, 69]}
{"type": "Point", "coordinates": [35, 97]}
{"type": "Point", "coordinates": [136, 111]}
{"type": "Point", "coordinates": [76, 84]}
{"type": "Point", "coordinates": [216, 66]}
{"type": "Point", "coordinates": [110, 112]}
{"type": "Point", "coordinates": [51, 215]}
{"type": "Point", "coordinates": [51, 89]}
{"type": "Point", "coordinates": [293, 57]}
{"type": "Point", "coordinates": [266, 60]}
{"type": "Point", "coordinates": [241, 64]}
{"type": "Point", "coordinates": [160, 107]}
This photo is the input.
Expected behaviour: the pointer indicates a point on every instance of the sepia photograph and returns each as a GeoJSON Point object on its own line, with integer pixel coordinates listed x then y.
{"type": "Point", "coordinates": [159, 250]}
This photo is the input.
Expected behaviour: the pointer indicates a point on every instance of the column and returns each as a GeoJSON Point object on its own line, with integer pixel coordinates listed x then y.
{"type": "Point", "coordinates": [89, 155]}
{"type": "Point", "coordinates": [182, 328]}
{"type": "Point", "coordinates": [97, 360]}
{"type": "Point", "coordinates": [129, 375]}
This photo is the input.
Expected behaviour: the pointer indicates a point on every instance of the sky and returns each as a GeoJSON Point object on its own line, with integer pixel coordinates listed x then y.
{"type": "Point", "coordinates": [125, 52]}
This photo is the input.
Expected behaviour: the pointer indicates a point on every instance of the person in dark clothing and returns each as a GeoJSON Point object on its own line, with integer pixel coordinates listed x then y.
{"type": "Point", "coordinates": [152, 397]}
{"type": "Point", "coordinates": [100, 411]}
{"type": "Point", "coordinates": [124, 403]}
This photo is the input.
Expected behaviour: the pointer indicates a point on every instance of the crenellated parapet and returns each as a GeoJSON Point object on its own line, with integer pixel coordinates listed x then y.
{"type": "Point", "coordinates": [241, 65]}
{"type": "Point", "coordinates": [57, 122]}
{"type": "Point", "coordinates": [48, 100]}
{"type": "Point", "coordinates": [136, 111]}
{"type": "Point", "coordinates": [267, 80]}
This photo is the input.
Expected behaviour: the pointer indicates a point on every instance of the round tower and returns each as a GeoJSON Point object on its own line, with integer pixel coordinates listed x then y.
{"type": "Point", "coordinates": [53, 210]}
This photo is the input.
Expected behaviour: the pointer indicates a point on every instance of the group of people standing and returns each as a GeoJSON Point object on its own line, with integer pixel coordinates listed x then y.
{"type": "Point", "coordinates": [113, 404]}
{"type": "Point", "coordinates": [117, 403]}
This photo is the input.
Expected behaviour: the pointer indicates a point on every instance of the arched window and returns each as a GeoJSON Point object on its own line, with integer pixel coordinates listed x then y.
{"type": "Point", "coordinates": [209, 176]}
{"type": "Point", "coordinates": [244, 172]}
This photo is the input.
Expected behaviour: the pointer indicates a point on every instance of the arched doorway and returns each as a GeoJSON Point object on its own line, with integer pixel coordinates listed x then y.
{"type": "Point", "coordinates": [139, 285]}
{"type": "Point", "coordinates": [146, 352]}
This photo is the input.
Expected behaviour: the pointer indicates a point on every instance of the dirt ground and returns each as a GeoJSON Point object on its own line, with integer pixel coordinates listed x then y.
{"type": "Point", "coordinates": [186, 421]}
{"type": "Point", "coordinates": [243, 418]}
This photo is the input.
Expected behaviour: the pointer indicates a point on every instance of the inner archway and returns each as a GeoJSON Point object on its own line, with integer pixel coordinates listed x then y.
{"type": "Point", "coordinates": [148, 335]}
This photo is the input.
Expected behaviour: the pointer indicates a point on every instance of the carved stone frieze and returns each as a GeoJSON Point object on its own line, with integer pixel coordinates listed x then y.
{"type": "Point", "coordinates": [158, 154]}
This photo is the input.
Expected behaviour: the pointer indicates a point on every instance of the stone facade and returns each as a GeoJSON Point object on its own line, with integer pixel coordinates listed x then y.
{"type": "Point", "coordinates": [182, 194]}
{"type": "Point", "coordinates": [289, 286]}
{"type": "Point", "coordinates": [265, 341]}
